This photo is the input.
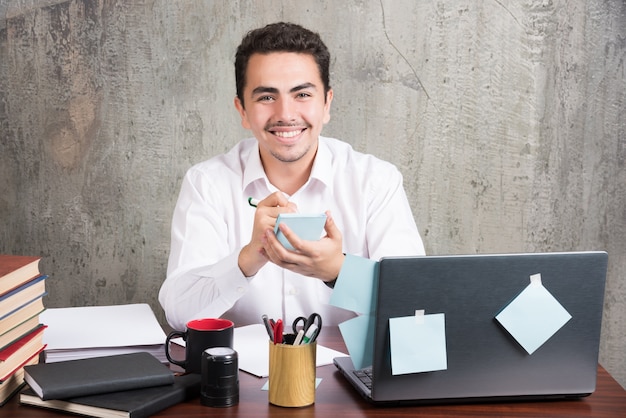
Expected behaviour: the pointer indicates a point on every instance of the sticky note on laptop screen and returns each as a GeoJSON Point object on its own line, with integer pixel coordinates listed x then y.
{"type": "Point", "coordinates": [418, 343]}
{"type": "Point", "coordinates": [306, 227]}
{"type": "Point", "coordinates": [534, 316]}
{"type": "Point", "coordinates": [358, 334]}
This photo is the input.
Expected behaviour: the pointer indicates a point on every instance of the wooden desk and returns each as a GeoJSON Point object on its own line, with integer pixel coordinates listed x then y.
{"type": "Point", "coordinates": [335, 397]}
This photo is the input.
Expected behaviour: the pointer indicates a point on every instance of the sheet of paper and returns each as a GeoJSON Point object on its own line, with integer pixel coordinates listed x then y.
{"type": "Point", "coordinates": [355, 289]}
{"type": "Point", "coordinates": [101, 326]}
{"type": "Point", "coordinates": [358, 335]}
{"type": "Point", "coordinates": [418, 343]}
{"type": "Point", "coordinates": [253, 352]}
{"type": "Point", "coordinates": [534, 316]}
{"type": "Point", "coordinates": [92, 331]}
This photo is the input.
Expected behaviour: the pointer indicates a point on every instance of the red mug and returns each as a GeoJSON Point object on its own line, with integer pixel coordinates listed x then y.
{"type": "Point", "coordinates": [200, 335]}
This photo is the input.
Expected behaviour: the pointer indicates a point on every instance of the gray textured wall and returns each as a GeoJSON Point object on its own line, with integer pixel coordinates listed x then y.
{"type": "Point", "coordinates": [505, 117]}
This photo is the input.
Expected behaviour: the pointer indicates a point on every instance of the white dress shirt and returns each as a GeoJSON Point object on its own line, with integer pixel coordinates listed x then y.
{"type": "Point", "coordinates": [212, 221]}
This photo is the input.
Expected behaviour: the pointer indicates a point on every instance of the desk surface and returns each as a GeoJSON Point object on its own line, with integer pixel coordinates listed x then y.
{"type": "Point", "coordinates": [334, 395]}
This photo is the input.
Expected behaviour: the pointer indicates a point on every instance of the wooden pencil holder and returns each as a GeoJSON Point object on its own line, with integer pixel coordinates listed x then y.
{"type": "Point", "coordinates": [292, 374]}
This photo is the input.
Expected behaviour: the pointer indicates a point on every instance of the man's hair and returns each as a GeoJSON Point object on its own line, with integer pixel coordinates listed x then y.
{"type": "Point", "coordinates": [281, 37]}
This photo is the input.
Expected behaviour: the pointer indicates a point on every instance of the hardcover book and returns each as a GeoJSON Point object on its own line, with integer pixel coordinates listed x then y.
{"type": "Point", "coordinates": [137, 403]}
{"type": "Point", "coordinates": [96, 375]}
{"type": "Point", "coordinates": [17, 354]}
{"type": "Point", "coordinates": [16, 270]}
{"type": "Point", "coordinates": [30, 310]}
{"type": "Point", "coordinates": [13, 383]}
{"type": "Point", "coordinates": [12, 335]}
{"type": "Point", "coordinates": [21, 296]}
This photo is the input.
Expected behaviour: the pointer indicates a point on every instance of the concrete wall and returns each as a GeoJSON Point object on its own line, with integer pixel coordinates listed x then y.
{"type": "Point", "coordinates": [505, 117]}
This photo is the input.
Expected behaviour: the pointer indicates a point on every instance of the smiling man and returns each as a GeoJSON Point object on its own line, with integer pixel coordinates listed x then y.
{"type": "Point", "coordinates": [225, 260]}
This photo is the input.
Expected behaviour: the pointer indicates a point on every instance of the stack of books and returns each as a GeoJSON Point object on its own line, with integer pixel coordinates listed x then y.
{"type": "Point", "coordinates": [134, 385]}
{"type": "Point", "coordinates": [22, 288]}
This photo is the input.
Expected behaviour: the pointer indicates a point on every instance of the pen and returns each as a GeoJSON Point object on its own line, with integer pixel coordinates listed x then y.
{"type": "Point", "coordinates": [310, 335]}
{"type": "Point", "coordinates": [278, 332]}
{"type": "Point", "coordinates": [298, 339]}
{"type": "Point", "coordinates": [268, 327]}
{"type": "Point", "coordinates": [255, 202]}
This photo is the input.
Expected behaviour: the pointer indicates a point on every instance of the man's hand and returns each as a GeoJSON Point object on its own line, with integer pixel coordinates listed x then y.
{"type": "Point", "coordinates": [321, 259]}
{"type": "Point", "coordinates": [253, 256]}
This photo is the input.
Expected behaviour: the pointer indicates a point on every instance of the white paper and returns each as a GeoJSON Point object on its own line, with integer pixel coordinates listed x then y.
{"type": "Point", "coordinates": [89, 331]}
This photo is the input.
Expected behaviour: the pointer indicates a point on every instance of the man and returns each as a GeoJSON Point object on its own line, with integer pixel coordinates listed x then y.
{"type": "Point", "coordinates": [225, 260]}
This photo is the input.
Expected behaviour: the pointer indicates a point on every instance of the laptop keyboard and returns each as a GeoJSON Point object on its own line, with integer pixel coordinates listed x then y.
{"type": "Point", "coordinates": [365, 376]}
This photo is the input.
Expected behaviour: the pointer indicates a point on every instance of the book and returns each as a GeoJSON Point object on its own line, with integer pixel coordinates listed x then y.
{"type": "Point", "coordinates": [21, 296]}
{"type": "Point", "coordinates": [92, 376]}
{"type": "Point", "coordinates": [11, 386]}
{"type": "Point", "coordinates": [104, 331]}
{"type": "Point", "coordinates": [17, 354]}
{"type": "Point", "coordinates": [138, 403]}
{"type": "Point", "coordinates": [18, 317]}
{"type": "Point", "coordinates": [16, 270]}
{"type": "Point", "coordinates": [13, 383]}
{"type": "Point", "coordinates": [20, 330]}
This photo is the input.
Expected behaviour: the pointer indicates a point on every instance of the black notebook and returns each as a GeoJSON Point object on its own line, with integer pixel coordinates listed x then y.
{"type": "Point", "coordinates": [91, 376]}
{"type": "Point", "coordinates": [137, 403]}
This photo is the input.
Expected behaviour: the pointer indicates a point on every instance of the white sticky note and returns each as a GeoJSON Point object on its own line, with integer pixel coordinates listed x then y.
{"type": "Point", "coordinates": [534, 316]}
{"type": "Point", "coordinates": [418, 343]}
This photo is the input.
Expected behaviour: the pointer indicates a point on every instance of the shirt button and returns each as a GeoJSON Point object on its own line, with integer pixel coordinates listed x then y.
{"type": "Point", "coordinates": [293, 291]}
{"type": "Point", "coordinates": [240, 289]}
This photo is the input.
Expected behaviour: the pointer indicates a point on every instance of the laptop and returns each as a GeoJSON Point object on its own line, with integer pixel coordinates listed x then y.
{"type": "Point", "coordinates": [485, 363]}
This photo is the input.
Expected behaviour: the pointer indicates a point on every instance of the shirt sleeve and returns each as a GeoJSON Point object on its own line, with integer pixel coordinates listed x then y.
{"type": "Point", "coordinates": [203, 275]}
{"type": "Point", "coordinates": [391, 228]}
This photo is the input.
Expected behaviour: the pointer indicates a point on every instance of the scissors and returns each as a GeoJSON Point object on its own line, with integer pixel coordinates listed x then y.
{"type": "Point", "coordinates": [302, 323]}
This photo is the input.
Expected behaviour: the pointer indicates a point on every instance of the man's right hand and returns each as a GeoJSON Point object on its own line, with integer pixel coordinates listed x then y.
{"type": "Point", "coordinates": [252, 256]}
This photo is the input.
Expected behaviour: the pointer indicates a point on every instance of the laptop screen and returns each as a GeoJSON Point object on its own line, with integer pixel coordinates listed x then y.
{"type": "Point", "coordinates": [484, 359]}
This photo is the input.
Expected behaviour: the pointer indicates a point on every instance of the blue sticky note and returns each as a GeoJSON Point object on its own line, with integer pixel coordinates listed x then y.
{"type": "Point", "coordinates": [534, 316]}
{"type": "Point", "coordinates": [266, 385]}
{"type": "Point", "coordinates": [358, 335]}
{"type": "Point", "coordinates": [306, 227]}
{"type": "Point", "coordinates": [356, 286]}
{"type": "Point", "coordinates": [418, 344]}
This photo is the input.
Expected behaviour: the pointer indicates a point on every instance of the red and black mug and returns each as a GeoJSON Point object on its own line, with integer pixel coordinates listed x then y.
{"type": "Point", "coordinates": [200, 335]}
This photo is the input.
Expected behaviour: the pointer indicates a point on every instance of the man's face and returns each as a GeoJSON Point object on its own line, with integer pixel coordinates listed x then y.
{"type": "Point", "coordinates": [285, 107]}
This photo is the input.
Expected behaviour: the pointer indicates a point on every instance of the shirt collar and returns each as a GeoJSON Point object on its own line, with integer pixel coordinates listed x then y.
{"type": "Point", "coordinates": [322, 166]}
{"type": "Point", "coordinates": [253, 170]}
{"type": "Point", "coordinates": [321, 171]}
